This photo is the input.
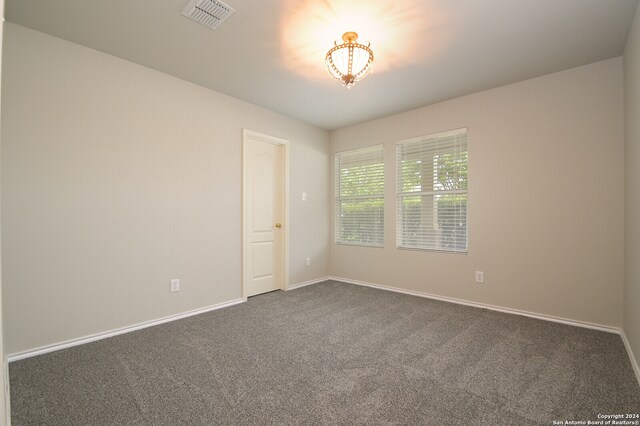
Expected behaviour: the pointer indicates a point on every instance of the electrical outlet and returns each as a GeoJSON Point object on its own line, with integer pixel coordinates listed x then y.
{"type": "Point", "coordinates": [175, 285]}
{"type": "Point", "coordinates": [308, 261]}
{"type": "Point", "coordinates": [304, 196]}
{"type": "Point", "coordinates": [479, 276]}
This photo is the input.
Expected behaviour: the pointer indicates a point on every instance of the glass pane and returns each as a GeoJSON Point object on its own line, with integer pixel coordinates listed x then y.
{"type": "Point", "coordinates": [437, 222]}
{"type": "Point", "coordinates": [412, 171]}
{"type": "Point", "coordinates": [452, 221]}
{"type": "Point", "coordinates": [367, 179]}
{"type": "Point", "coordinates": [450, 171]}
{"type": "Point", "coordinates": [361, 222]}
{"type": "Point", "coordinates": [416, 225]}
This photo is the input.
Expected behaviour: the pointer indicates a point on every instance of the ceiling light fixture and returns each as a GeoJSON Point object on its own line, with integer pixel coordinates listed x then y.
{"type": "Point", "coordinates": [349, 61]}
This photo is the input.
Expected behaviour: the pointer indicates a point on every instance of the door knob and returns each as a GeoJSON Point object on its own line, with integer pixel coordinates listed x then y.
{"type": "Point", "coordinates": [278, 225]}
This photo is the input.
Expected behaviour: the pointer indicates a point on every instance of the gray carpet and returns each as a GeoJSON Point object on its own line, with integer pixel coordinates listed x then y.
{"type": "Point", "coordinates": [332, 353]}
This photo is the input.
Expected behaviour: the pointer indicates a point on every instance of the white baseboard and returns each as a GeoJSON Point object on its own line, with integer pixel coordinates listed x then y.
{"type": "Point", "coordinates": [544, 317]}
{"type": "Point", "coordinates": [306, 283]}
{"type": "Point", "coordinates": [99, 336]}
{"type": "Point", "coordinates": [106, 334]}
{"type": "Point", "coordinates": [575, 323]}
{"type": "Point", "coordinates": [634, 362]}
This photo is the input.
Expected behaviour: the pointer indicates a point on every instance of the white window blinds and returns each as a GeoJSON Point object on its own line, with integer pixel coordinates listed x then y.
{"type": "Point", "coordinates": [432, 192]}
{"type": "Point", "coordinates": [359, 197]}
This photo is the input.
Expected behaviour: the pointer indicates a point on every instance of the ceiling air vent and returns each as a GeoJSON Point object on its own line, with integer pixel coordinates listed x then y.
{"type": "Point", "coordinates": [210, 13]}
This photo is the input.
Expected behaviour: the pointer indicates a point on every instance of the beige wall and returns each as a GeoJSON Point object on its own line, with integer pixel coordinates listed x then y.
{"type": "Point", "coordinates": [117, 178]}
{"type": "Point", "coordinates": [632, 188]}
{"type": "Point", "coordinates": [545, 197]}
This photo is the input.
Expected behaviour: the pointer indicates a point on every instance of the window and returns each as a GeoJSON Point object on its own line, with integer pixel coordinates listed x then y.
{"type": "Point", "coordinates": [359, 197]}
{"type": "Point", "coordinates": [432, 192]}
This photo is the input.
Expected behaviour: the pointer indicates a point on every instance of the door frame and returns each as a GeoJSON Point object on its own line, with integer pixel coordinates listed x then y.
{"type": "Point", "coordinates": [284, 189]}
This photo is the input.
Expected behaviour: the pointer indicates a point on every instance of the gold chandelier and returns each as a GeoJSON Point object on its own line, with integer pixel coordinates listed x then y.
{"type": "Point", "coordinates": [349, 61]}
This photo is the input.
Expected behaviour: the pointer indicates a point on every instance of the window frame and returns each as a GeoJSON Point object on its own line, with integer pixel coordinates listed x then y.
{"type": "Point", "coordinates": [339, 199]}
{"type": "Point", "coordinates": [400, 242]}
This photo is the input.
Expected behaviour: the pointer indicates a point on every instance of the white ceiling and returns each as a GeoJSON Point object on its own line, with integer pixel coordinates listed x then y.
{"type": "Point", "coordinates": [271, 52]}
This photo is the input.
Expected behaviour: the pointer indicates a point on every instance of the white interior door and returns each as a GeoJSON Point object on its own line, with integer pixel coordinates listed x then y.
{"type": "Point", "coordinates": [264, 214]}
